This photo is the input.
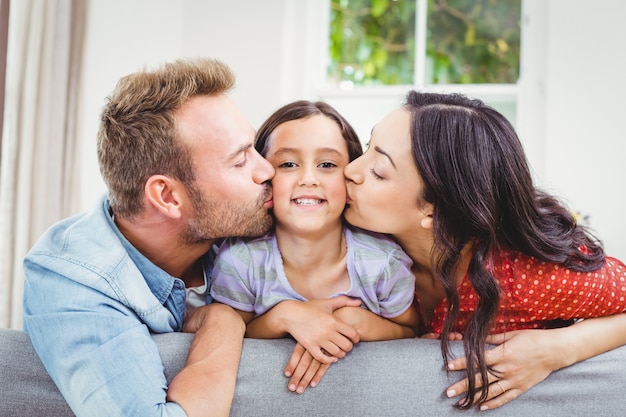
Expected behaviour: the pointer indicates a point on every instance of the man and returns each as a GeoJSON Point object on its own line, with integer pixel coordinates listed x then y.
{"type": "Point", "coordinates": [178, 159]}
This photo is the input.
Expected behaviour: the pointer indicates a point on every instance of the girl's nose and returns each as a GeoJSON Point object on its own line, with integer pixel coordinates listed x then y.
{"type": "Point", "coordinates": [309, 177]}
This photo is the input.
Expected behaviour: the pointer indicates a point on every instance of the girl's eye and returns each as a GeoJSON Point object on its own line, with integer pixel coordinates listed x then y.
{"type": "Point", "coordinates": [375, 175]}
{"type": "Point", "coordinates": [287, 165]}
{"type": "Point", "coordinates": [327, 165]}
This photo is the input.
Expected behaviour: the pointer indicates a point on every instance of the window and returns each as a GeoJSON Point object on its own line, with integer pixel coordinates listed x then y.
{"type": "Point", "coordinates": [379, 49]}
{"type": "Point", "coordinates": [375, 42]}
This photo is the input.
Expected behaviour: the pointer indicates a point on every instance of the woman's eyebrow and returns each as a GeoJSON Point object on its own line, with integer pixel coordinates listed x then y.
{"type": "Point", "coordinates": [380, 151]}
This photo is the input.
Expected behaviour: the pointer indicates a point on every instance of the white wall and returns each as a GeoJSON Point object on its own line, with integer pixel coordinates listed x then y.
{"type": "Point", "coordinates": [585, 112]}
{"type": "Point", "coordinates": [121, 37]}
{"type": "Point", "coordinates": [267, 43]}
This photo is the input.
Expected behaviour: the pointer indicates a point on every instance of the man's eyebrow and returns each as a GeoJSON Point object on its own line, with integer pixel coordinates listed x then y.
{"type": "Point", "coordinates": [235, 154]}
{"type": "Point", "coordinates": [380, 151]}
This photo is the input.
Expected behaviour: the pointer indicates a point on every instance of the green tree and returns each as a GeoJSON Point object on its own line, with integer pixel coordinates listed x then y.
{"type": "Point", "coordinates": [372, 42]}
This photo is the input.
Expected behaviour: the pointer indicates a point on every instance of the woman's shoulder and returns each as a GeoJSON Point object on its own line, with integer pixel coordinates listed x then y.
{"type": "Point", "coordinates": [511, 263]}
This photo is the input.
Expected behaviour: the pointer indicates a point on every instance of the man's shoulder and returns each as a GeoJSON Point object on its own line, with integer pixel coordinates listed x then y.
{"type": "Point", "coordinates": [81, 236]}
{"type": "Point", "coordinates": [83, 247]}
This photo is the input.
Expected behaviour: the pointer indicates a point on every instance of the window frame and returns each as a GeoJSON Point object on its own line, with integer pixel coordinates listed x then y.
{"type": "Point", "coordinates": [494, 94]}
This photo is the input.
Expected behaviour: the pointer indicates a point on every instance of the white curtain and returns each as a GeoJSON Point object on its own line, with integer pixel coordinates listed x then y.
{"type": "Point", "coordinates": [38, 169]}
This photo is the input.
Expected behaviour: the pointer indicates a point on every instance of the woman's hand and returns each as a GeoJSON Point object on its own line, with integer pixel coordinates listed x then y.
{"type": "Point", "coordinates": [522, 358]}
{"type": "Point", "coordinates": [303, 370]}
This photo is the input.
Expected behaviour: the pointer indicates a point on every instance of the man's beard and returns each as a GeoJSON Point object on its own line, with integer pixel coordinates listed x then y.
{"type": "Point", "coordinates": [219, 219]}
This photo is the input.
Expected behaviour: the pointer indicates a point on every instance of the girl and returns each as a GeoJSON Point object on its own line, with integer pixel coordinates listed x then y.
{"type": "Point", "coordinates": [311, 254]}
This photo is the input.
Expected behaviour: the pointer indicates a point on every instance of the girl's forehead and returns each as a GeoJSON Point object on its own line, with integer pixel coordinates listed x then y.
{"type": "Point", "coordinates": [316, 131]}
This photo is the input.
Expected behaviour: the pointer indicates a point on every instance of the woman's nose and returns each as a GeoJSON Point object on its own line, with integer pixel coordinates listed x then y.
{"type": "Point", "coordinates": [352, 173]}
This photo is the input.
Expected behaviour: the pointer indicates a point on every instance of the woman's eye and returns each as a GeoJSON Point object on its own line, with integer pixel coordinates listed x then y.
{"type": "Point", "coordinates": [378, 177]}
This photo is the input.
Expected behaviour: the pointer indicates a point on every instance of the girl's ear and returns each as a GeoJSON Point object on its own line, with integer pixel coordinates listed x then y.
{"type": "Point", "coordinates": [164, 194]}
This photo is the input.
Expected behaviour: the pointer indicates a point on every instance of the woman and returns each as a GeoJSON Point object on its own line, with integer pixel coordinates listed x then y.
{"type": "Point", "coordinates": [447, 178]}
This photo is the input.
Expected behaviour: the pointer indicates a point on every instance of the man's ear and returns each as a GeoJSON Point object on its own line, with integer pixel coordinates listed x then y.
{"type": "Point", "coordinates": [164, 195]}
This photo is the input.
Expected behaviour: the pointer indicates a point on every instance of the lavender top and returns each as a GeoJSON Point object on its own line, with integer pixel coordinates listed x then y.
{"type": "Point", "coordinates": [248, 274]}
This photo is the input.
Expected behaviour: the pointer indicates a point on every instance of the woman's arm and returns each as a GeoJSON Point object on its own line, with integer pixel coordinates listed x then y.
{"type": "Point", "coordinates": [524, 358]}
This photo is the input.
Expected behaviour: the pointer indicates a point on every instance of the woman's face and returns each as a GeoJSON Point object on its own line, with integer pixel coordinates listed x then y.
{"type": "Point", "coordinates": [384, 187]}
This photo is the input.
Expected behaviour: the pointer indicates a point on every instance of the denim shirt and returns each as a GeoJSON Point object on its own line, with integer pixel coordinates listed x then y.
{"type": "Point", "coordinates": [91, 301]}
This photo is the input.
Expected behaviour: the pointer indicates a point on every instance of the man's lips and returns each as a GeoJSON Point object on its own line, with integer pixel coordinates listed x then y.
{"type": "Point", "coordinates": [269, 200]}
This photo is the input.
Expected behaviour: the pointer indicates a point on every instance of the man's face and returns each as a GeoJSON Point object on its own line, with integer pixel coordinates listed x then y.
{"type": "Point", "coordinates": [231, 195]}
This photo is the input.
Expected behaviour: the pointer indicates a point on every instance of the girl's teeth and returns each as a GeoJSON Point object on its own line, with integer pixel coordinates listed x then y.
{"type": "Point", "coordinates": [307, 201]}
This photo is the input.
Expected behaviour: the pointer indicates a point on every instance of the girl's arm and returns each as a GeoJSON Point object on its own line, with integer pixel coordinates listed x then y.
{"type": "Point", "coordinates": [304, 371]}
{"type": "Point", "coordinates": [312, 324]}
{"type": "Point", "coordinates": [524, 358]}
{"type": "Point", "coordinates": [372, 327]}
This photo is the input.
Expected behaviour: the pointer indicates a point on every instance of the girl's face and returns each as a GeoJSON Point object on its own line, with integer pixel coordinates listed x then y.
{"type": "Point", "coordinates": [309, 156]}
{"type": "Point", "coordinates": [384, 187]}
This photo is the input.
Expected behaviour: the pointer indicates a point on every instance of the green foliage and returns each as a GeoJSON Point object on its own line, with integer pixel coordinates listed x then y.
{"type": "Point", "coordinates": [473, 41]}
{"type": "Point", "coordinates": [372, 42]}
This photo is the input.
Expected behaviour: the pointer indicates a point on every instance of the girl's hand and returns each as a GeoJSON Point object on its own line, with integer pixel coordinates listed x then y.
{"type": "Point", "coordinates": [451, 336]}
{"type": "Point", "coordinates": [313, 325]}
{"type": "Point", "coordinates": [522, 358]}
{"type": "Point", "coordinates": [304, 370]}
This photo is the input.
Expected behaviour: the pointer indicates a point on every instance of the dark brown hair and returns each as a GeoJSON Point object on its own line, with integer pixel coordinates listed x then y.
{"type": "Point", "coordinates": [302, 109]}
{"type": "Point", "coordinates": [477, 178]}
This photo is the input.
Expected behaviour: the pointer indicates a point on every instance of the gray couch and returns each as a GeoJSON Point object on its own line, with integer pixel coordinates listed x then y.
{"type": "Point", "coordinates": [395, 378]}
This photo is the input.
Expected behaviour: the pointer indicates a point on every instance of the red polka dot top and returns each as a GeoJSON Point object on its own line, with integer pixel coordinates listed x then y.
{"type": "Point", "coordinates": [542, 295]}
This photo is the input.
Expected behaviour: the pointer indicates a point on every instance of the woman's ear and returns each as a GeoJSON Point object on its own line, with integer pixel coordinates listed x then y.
{"type": "Point", "coordinates": [163, 194]}
{"type": "Point", "coordinates": [427, 216]}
